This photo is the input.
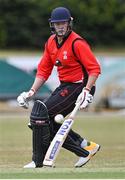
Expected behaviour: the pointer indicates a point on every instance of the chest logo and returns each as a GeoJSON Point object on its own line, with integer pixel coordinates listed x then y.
{"type": "Point", "coordinates": [64, 54]}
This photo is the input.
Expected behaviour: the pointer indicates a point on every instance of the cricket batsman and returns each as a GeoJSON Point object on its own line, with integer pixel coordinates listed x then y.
{"type": "Point", "coordinates": [78, 71]}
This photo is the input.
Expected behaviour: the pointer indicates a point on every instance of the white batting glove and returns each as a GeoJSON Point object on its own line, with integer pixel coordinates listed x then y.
{"type": "Point", "coordinates": [24, 98]}
{"type": "Point", "coordinates": [84, 98]}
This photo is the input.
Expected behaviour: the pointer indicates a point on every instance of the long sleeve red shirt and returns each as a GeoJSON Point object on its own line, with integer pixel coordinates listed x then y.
{"type": "Point", "coordinates": [69, 62]}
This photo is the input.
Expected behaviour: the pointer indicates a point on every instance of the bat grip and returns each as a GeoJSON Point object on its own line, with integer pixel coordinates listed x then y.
{"type": "Point", "coordinates": [73, 113]}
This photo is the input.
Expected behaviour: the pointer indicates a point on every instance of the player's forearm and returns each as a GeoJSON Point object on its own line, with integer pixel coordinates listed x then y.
{"type": "Point", "coordinates": [91, 81]}
{"type": "Point", "coordinates": [38, 82]}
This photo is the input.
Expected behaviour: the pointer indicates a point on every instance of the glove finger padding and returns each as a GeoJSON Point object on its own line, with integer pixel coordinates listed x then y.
{"type": "Point", "coordinates": [86, 102]}
{"type": "Point", "coordinates": [89, 98]}
{"type": "Point", "coordinates": [84, 98]}
{"type": "Point", "coordinates": [22, 101]}
{"type": "Point", "coordinates": [24, 98]}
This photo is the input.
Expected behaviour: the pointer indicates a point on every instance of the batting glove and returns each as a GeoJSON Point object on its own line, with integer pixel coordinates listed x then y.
{"type": "Point", "coordinates": [84, 98]}
{"type": "Point", "coordinates": [24, 98]}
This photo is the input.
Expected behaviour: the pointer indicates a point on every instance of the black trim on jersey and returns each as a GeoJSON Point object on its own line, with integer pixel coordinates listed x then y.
{"type": "Point", "coordinates": [83, 68]}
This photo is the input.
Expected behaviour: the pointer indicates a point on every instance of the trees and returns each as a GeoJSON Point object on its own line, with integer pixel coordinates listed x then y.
{"type": "Point", "coordinates": [24, 23]}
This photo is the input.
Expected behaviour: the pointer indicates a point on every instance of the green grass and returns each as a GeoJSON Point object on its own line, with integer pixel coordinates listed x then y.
{"type": "Point", "coordinates": [65, 173]}
{"type": "Point", "coordinates": [107, 130]}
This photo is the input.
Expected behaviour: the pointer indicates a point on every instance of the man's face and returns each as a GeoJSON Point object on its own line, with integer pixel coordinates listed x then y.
{"type": "Point", "coordinates": [61, 28]}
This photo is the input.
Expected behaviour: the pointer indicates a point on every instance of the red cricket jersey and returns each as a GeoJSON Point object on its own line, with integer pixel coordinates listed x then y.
{"type": "Point", "coordinates": [69, 64]}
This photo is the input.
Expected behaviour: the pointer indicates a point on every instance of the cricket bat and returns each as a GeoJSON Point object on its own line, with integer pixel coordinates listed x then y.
{"type": "Point", "coordinates": [59, 139]}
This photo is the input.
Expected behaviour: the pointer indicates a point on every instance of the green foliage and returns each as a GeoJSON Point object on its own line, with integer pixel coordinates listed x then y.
{"type": "Point", "coordinates": [24, 23]}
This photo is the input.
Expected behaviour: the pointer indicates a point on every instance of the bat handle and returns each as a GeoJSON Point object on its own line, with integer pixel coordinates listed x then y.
{"type": "Point", "coordinates": [73, 113]}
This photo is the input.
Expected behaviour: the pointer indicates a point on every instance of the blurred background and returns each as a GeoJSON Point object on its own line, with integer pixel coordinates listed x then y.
{"type": "Point", "coordinates": [24, 29]}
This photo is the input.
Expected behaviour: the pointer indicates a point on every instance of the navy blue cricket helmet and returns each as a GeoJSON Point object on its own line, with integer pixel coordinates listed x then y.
{"type": "Point", "coordinates": [60, 14]}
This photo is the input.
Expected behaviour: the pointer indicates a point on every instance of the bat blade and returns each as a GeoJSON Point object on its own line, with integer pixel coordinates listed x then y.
{"type": "Point", "coordinates": [57, 143]}
{"type": "Point", "coordinates": [59, 138]}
